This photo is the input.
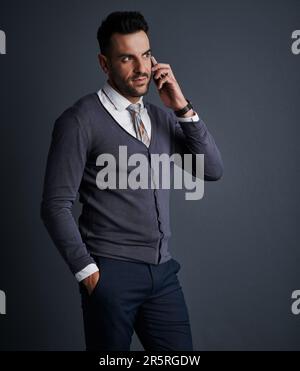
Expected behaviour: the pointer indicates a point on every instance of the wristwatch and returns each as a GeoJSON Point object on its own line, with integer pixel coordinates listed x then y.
{"type": "Point", "coordinates": [184, 110]}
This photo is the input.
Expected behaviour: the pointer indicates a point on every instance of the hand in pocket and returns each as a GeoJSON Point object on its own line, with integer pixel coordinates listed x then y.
{"type": "Point", "coordinates": [91, 282]}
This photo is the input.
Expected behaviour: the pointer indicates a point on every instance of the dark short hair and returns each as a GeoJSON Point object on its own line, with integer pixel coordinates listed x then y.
{"type": "Point", "coordinates": [120, 22]}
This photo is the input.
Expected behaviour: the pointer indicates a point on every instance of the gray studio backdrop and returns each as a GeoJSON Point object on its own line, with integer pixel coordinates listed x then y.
{"type": "Point", "coordinates": [239, 245]}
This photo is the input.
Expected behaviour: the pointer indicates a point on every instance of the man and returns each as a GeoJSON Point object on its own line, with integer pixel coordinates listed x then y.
{"type": "Point", "coordinates": [119, 253]}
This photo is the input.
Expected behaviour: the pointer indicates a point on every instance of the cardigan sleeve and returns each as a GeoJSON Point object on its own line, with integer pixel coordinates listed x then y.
{"type": "Point", "coordinates": [65, 165]}
{"type": "Point", "coordinates": [194, 138]}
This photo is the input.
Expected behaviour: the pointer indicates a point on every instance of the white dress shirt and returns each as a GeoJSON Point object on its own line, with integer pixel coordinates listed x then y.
{"type": "Point", "coordinates": [116, 104]}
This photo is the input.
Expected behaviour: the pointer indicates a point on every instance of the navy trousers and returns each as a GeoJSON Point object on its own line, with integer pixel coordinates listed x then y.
{"type": "Point", "coordinates": [140, 297]}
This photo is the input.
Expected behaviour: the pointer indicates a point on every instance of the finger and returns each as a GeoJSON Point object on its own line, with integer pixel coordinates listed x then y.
{"type": "Point", "coordinates": [161, 73]}
{"type": "Point", "coordinates": [162, 81]}
{"type": "Point", "coordinates": [160, 65]}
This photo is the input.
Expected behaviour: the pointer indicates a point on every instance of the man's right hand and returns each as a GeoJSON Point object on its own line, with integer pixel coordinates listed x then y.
{"type": "Point", "coordinates": [91, 281]}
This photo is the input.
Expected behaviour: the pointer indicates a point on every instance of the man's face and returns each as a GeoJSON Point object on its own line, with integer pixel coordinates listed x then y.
{"type": "Point", "coordinates": [129, 59]}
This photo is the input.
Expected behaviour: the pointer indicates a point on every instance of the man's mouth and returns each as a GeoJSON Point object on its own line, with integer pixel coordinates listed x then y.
{"type": "Point", "coordinates": [140, 79]}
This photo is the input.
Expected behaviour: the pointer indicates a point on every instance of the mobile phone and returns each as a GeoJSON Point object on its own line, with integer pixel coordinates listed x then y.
{"type": "Point", "coordinates": [153, 63]}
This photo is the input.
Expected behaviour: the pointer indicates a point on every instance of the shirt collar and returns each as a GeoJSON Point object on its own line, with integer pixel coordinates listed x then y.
{"type": "Point", "coordinates": [118, 100]}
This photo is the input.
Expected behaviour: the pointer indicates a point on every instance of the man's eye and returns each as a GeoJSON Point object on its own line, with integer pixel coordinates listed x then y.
{"type": "Point", "coordinates": [125, 59]}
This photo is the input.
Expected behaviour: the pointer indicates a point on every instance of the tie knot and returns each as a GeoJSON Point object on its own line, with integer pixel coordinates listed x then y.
{"type": "Point", "coordinates": [134, 108]}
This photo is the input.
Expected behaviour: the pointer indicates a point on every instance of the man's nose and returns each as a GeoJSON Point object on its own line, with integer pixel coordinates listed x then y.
{"type": "Point", "coordinates": [141, 66]}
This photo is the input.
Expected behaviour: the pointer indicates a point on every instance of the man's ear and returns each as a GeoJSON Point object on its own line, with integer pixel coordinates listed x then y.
{"type": "Point", "coordinates": [103, 62]}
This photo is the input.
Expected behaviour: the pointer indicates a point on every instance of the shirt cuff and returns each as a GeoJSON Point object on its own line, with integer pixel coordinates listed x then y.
{"type": "Point", "coordinates": [87, 271]}
{"type": "Point", "coordinates": [189, 119]}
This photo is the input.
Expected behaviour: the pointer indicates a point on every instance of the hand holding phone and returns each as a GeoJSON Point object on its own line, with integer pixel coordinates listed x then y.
{"type": "Point", "coordinates": [168, 88]}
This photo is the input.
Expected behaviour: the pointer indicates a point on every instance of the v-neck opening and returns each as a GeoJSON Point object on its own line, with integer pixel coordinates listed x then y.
{"type": "Point", "coordinates": [152, 122]}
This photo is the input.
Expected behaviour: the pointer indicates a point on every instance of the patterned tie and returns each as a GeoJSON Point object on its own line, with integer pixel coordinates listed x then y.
{"type": "Point", "coordinates": [139, 127]}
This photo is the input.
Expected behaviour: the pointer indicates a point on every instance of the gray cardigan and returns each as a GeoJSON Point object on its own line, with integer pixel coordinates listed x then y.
{"type": "Point", "coordinates": [124, 224]}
